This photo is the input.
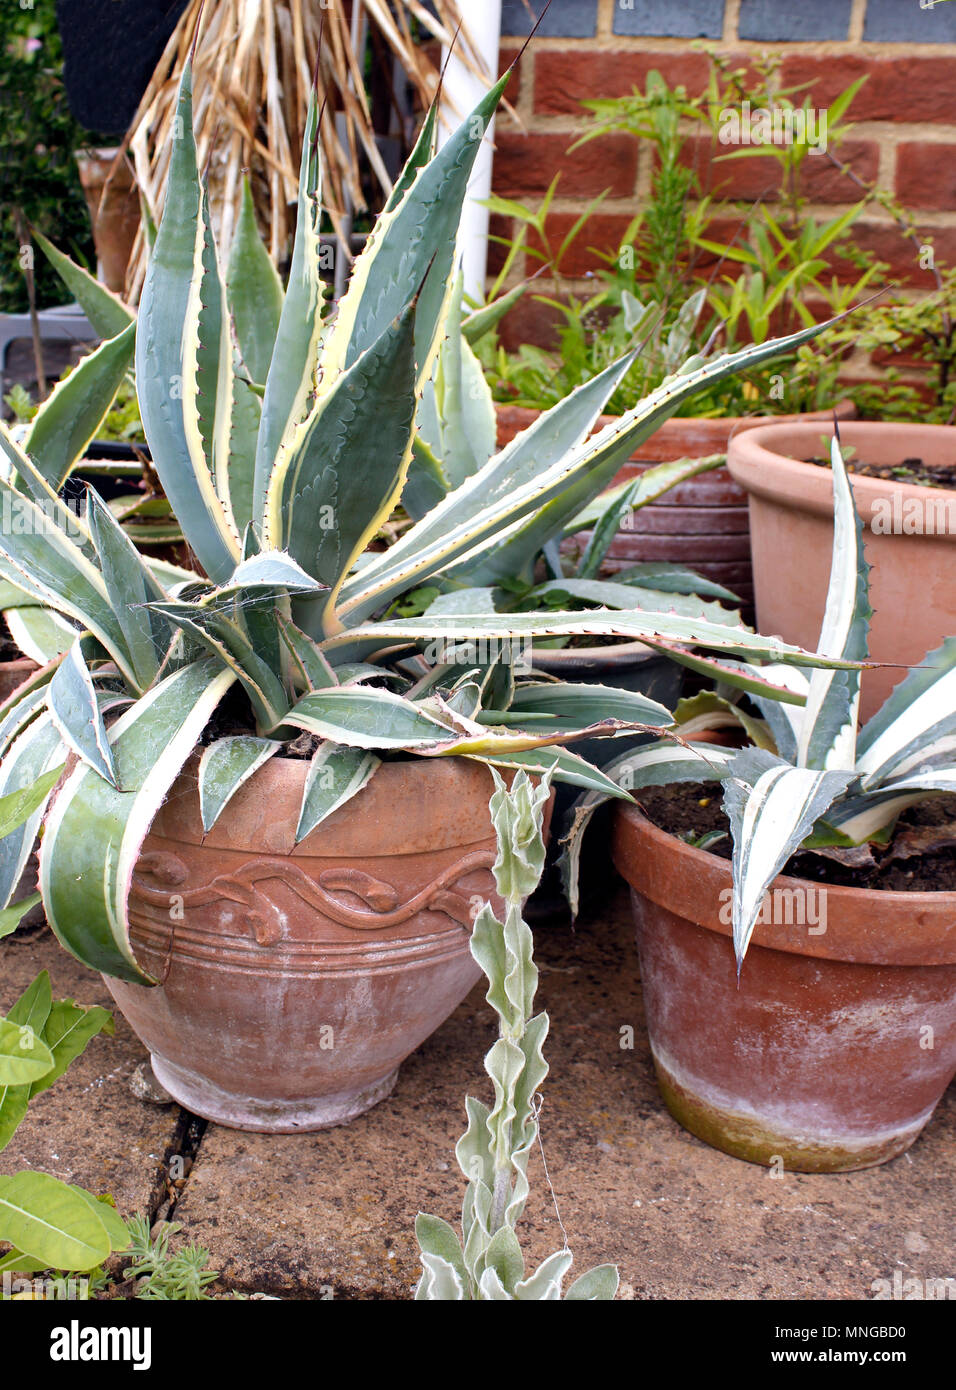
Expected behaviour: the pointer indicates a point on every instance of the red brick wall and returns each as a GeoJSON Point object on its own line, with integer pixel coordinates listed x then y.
{"type": "Point", "coordinates": [904, 133]}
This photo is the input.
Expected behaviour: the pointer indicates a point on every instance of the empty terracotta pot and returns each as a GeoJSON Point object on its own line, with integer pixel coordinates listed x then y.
{"type": "Point", "coordinates": [836, 1047]}
{"type": "Point", "coordinates": [910, 539]}
{"type": "Point", "coordinates": [295, 979]}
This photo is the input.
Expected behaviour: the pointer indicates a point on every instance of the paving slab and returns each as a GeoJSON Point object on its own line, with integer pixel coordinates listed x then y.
{"type": "Point", "coordinates": [88, 1128]}
{"type": "Point", "coordinates": [332, 1214]}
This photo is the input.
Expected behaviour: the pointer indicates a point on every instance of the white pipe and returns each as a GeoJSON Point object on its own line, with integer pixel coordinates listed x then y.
{"type": "Point", "coordinates": [463, 91]}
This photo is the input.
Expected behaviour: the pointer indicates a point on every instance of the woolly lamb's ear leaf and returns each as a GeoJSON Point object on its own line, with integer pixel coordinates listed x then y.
{"type": "Point", "coordinates": [223, 768]}
{"type": "Point", "coordinates": [440, 1282]}
{"type": "Point", "coordinates": [505, 1258]}
{"type": "Point", "coordinates": [545, 1284]}
{"type": "Point", "coordinates": [828, 727]}
{"type": "Point", "coordinates": [437, 1239]}
{"type": "Point", "coordinates": [491, 1289]}
{"type": "Point", "coordinates": [599, 1284]}
{"type": "Point", "coordinates": [772, 808]}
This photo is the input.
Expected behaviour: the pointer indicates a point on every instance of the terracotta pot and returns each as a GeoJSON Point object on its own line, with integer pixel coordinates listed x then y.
{"type": "Point", "coordinates": [114, 212]}
{"type": "Point", "coordinates": [702, 524]}
{"type": "Point", "coordinates": [297, 978]}
{"type": "Point", "coordinates": [913, 577]}
{"type": "Point", "coordinates": [13, 674]}
{"type": "Point", "coordinates": [836, 1047]}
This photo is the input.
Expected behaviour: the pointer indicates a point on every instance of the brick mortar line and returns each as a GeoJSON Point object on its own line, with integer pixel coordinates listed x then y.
{"type": "Point", "coordinates": [874, 216]}
{"type": "Point", "coordinates": [654, 43]}
{"type": "Point", "coordinates": [938, 132]}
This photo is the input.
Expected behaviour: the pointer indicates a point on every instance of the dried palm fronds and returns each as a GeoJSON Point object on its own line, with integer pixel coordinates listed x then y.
{"type": "Point", "coordinates": [253, 69]}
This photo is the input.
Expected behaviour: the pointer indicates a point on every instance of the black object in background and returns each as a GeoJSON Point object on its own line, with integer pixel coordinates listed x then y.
{"type": "Point", "coordinates": [110, 51]}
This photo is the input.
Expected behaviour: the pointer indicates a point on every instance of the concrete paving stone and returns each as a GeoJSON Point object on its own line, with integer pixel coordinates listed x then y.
{"type": "Point", "coordinates": [88, 1128]}
{"type": "Point", "coordinates": [332, 1214]}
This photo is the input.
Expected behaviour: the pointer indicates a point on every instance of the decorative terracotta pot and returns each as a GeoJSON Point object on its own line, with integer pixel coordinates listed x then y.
{"type": "Point", "coordinates": [838, 1044]}
{"type": "Point", "coordinates": [703, 523]}
{"type": "Point", "coordinates": [295, 979]}
{"type": "Point", "coordinates": [910, 540]}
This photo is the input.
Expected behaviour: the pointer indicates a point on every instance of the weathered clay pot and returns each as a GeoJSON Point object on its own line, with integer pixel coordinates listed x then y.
{"type": "Point", "coordinates": [295, 979]}
{"type": "Point", "coordinates": [913, 576]}
{"type": "Point", "coordinates": [703, 523]}
{"type": "Point", "coordinates": [836, 1047]}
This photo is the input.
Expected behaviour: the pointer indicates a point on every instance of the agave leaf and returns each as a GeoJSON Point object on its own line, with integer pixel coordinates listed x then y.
{"type": "Point", "coordinates": [181, 291]}
{"type": "Point", "coordinates": [608, 594]}
{"type": "Point", "coordinates": [828, 727]}
{"type": "Point", "coordinates": [653, 628]}
{"type": "Point", "coordinates": [656, 765]}
{"type": "Point", "coordinates": [330, 468]}
{"type": "Point", "coordinates": [40, 633]}
{"type": "Point", "coordinates": [132, 588]}
{"type": "Point", "coordinates": [94, 832]}
{"type": "Point", "coordinates": [456, 415]}
{"type": "Point", "coordinates": [313, 668]}
{"type": "Point", "coordinates": [76, 713]}
{"type": "Point", "coordinates": [254, 292]}
{"type": "Point", "coordinates": [76, 407]}
{"type": "Point", "coordinates": [919, 712]}
{"type": "Point", "coordinates": [37, 752]}
{"type": "Point", "coordinates": [106, 311]}
{"type": "Point", "coordinates": [362, 717]}
{"type": "Point", "coordinates": [292, 368]}
{"type": "Point", "coordinates": [580, 704]}
{"type": "Point", "coordinates": [772, 808]}
{"type": "Point", "coordinates": [224, 766]}
{"type": "Point", "coordinates": [475, 325]}
{"type": "Point", "coordinates": [226, 640]}
{"type": "Point", "coordinates": [478, 517]}
{"type": "Point", "coordinates": [560, 763]}
{"type": "Point", "coordinates": [673, 579]}
{"type": "Point", "coordinates": [336, 774]}
{"type": "Point", "coordinates": [636, 494]}
{"type": "Point", "coordinates": [425, 549]}
{"type": "Point", "coordinates": [23, 706]}
{"type": "Point", "coordinates": [412, 244]}
{"type": "Point", "coordinates": [27, 478]}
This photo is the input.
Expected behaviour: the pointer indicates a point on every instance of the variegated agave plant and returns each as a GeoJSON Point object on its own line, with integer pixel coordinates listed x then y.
{"type": "Point", "coordinates": [281, 489]}
{"type": "Point", "coordinates": [812, 780]}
